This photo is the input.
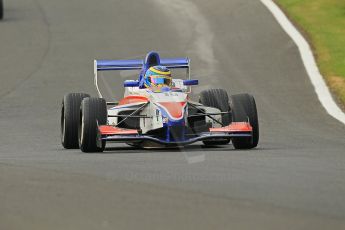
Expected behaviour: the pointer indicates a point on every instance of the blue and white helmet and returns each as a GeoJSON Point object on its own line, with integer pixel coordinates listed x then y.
{"type": "Point", "coordinates": [157, 76]}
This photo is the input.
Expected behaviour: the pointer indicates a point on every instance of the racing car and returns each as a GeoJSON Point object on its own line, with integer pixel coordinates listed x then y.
{"type": "Point", "coordinates": [163, 117]}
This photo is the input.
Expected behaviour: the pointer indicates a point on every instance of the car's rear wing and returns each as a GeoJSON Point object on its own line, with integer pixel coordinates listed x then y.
{"type": "Point", "coordinates": [138, 64]}
{"type": "Point", "coordinates": [172, 63]}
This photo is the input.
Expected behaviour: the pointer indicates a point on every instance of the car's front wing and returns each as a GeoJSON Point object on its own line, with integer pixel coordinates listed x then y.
{"type": "Point", "coordinates": [235, 129]}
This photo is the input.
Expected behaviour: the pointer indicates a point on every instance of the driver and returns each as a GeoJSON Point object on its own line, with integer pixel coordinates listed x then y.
{"type": "Point", "coordinates": [157, 77]}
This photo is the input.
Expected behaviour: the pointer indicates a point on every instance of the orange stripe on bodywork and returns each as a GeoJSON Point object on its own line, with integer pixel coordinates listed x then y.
{"type": "Point", "coordinates": [133, 99]}
{"type": "Point", "coordinates": [234, 127]}
{"type": "Point", "coordinates": [111, 130]}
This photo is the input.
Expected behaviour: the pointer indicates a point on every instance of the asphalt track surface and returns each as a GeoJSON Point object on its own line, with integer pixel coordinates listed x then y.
{"type": "Point", "coordinates": [295, 179]}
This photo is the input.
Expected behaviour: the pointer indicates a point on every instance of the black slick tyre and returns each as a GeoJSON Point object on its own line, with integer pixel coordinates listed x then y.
{"type": "Point", "coordinates": [217, 98]}
{"type": "Point", "coordinates": [70, 111]}
{"type": "Point", "coordinates": [243, 109]}
{"type": "Point", "coordinates": [93, 114]}
{"type": "Point", "coordinates": [1, 9]}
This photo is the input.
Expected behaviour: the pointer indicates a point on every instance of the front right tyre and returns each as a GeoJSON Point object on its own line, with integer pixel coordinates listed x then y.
{"type": "Point", "coordinates": [217, 98]}
{"type": "Point", "coordinates": [93, 113]}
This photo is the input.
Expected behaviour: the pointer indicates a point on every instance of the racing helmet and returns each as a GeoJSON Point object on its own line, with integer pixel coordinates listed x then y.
{"type": "Point", "coordinates": [158, 76]}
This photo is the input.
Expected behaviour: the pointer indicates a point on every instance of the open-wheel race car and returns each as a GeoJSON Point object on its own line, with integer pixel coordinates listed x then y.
{"type": "Point", "coordinates": [156, 111]}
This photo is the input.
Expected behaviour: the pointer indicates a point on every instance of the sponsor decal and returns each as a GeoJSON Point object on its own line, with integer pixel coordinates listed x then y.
{"type": "Point", "coordinates": [165, 120]}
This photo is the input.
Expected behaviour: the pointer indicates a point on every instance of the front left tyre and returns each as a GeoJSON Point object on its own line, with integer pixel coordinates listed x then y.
{"type": "Point", "coordinates": [243, 108]}
{"type": "Point", "coordinates": [70, 110]}
{"type": "Point", "coordinates": [93, 113]}
{"type": "Point", "coordinates": [1, 10]}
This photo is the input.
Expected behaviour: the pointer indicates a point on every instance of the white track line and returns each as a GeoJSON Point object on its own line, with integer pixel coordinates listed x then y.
{"type": "Point", "coordinates": [315, 77]}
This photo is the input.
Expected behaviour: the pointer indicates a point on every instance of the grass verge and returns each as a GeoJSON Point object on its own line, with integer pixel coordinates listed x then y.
{"type": "Point", "coordinates": [323, 23]}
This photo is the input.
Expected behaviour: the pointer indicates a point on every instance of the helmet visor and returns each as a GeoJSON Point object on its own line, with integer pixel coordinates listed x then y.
{"type": "Point", "coordinates": [160, 80]}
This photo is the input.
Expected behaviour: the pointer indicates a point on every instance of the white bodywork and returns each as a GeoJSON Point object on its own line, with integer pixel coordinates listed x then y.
{"type": "Point", "coordinates": [154, 108]}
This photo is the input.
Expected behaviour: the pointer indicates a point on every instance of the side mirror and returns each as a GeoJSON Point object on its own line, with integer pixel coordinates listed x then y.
{"type": "Point", "coordinates": [131, 83]}
{"type": "Point", "coordinates": [190, 82]}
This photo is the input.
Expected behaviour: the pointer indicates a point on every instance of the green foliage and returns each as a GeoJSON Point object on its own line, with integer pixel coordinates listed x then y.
{"type": "Point", "coordinates": [324, 23]}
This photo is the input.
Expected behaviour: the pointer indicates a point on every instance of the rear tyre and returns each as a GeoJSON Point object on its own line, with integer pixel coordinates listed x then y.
{"type": "Point", "coordinates": [243, 108]}
{"type": "Point", "coordinates": [217, 98]}
{"type": "Point", "coordinates": [70, 111]}
{"type": "Point", "coordinates": [93, 114]}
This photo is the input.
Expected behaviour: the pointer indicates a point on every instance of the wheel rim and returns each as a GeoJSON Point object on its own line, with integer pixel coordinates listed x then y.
{"type": "Point", "coordinates": [63, 130]}
{"type": "Point", "coordinates": [82, 131]}
{"type": "Point", "coordinates": [63, 125]}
